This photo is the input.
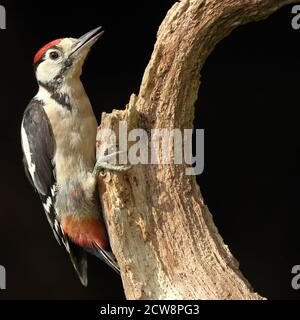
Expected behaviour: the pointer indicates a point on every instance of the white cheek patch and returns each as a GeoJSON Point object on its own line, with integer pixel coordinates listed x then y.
{"type": "Point", "coordinates": [47, 71]}
{"type": "Point", "coordinates": [27, 153]}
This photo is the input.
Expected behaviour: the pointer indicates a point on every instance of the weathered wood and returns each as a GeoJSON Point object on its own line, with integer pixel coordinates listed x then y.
{"type": "Point", "coordinates": [160, 230]}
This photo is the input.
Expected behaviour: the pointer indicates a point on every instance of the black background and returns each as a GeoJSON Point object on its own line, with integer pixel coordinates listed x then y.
{"type": "Point", "coordinates": [248, 105]}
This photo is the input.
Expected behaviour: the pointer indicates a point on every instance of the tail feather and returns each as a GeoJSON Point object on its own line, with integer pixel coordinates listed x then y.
{"type": "Point", "coordinates": [88, 234]}
{"type": "Point", "coordinates": [79, 260]}
{"type": "Point", "coordinates": [106, 256]}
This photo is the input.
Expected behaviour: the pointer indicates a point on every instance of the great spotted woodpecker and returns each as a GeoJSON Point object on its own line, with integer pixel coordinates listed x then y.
{"type": "Point", "coordinates": [58, 136]}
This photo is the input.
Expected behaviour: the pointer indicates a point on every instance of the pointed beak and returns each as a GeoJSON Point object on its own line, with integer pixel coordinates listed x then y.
{"type": "Point", "coordinates": [87, 40]}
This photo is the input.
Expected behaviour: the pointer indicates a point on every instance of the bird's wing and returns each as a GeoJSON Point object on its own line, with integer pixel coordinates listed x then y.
{"type": "Point", "coordinates": [38, 146]}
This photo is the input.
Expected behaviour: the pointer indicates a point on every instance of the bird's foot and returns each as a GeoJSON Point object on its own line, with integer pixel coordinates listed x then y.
{"type": "Point", "coordinates": [103, 164]}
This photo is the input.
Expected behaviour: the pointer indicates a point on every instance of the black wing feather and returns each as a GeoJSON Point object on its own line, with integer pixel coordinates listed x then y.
{"type": "Point", "coordinates": [41, 145]}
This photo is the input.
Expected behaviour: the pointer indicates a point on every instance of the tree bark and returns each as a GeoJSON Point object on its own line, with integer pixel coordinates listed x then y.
{"type": "Point", "coordinates": [160, 230]}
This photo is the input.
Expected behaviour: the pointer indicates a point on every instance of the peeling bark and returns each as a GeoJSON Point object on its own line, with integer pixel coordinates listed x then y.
{"type": "Point", "coordinates": [161, 232]}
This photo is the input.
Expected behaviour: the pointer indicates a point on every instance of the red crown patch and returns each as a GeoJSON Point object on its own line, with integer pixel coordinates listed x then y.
{"type": "Point", "coordinates": [42, 51]}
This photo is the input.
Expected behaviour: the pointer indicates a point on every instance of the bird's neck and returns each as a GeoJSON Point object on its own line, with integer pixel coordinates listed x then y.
{"type": "Point", "coordinates": [69, 93]}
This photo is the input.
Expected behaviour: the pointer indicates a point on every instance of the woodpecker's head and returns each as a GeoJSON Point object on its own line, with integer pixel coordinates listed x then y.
{"type": "Point", "coordinates": [62, 59]}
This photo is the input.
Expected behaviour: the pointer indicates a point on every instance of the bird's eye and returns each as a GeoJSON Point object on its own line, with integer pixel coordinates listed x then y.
{"type": "Point", "coordinates": [54, 55]}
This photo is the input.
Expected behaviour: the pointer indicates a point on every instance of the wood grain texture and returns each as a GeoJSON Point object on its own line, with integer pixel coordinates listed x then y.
{"type": "Point", "coordinates": [160, 229]}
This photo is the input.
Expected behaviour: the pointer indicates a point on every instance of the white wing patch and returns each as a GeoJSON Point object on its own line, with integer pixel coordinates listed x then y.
{"type": "Point", "coordinates": [53, 190]}
{"type": "Point", "coordinates": [48, 204]}
{"type": "Point", "coordinates": [27, 152]}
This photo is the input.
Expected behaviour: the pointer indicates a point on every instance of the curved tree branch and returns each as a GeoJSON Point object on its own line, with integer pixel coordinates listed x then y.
{"type": "Point", "coordinates": [160, 230]}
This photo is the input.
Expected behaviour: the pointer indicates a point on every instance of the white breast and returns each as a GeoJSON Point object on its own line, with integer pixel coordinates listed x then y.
{"type": "Point", "coordinates": [75, 135]}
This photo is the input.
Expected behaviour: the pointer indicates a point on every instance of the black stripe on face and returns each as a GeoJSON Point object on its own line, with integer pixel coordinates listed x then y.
{"type": "Point", "coordinates": [54, 86]}
{"type": "Point", "coordinates": [51, 86]}
{"type": "Point", "coordinates": [61, 98]}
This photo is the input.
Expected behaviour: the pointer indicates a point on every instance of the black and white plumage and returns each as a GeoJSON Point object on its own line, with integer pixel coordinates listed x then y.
{"type": "Point", "coordinates": [38, 144]}
{"type": "Point", "coordinates": [58, 135]}
{"type": "Point", "coordinates": [38, 147]}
